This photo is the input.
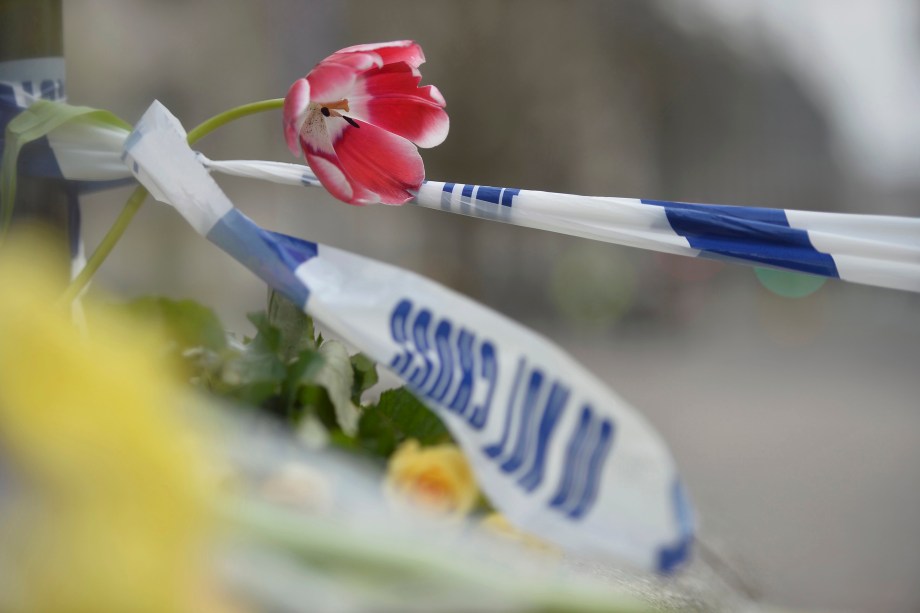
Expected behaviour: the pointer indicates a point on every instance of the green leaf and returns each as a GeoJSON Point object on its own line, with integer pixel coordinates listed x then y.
{"type": "Point", "coordinates": [31, 124]}
{"type": "Point", "coordinates": [268, 337]}
{"type": "Point", "coordinates": [295, 326]}
{"type": "Point", "coordinates": [365, 376]}
{"type": "Point", "coordinates": [300, 372]}
{"type": "Point", "coordinates": [337, 377]}
{"type": "Point", "coordinates": [257, 374]}
{"type": "Point", "coordinates": [397, 417]}
{"type": "Point", "coordinates": [253, 394]}
{"type": "Point", "coordinates": [315, 400]}
{"type": "Point", "coordinates": [185, 322]}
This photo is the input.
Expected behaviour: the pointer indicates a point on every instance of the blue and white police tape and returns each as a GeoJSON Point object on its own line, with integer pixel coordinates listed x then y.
{"type": "Point", "coordinates": [870, 249]}
{"type": "Point", "coordinates": [875, 250]}
{"type": "Point", "coordinates": [86, 152]}
{"type": "Point", "coordinates": [560, 454]}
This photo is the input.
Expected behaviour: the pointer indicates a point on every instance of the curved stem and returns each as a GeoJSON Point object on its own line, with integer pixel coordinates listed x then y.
{"type": "Point", "coordinates": [133, 205]}
{"type": "Point", "coordinates": [106, 244]}
{"type": "Point", "coordinates": [209, 125]}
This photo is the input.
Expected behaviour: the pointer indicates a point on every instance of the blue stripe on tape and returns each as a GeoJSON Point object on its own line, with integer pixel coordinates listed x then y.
{"type": "Point", "coordinates": [599, 455]}
{"type": "Point", "coordinates": [573, 453]}
{"type": "Point", "coordinates": [446, 194]}
{"type": "Point", "coordinates": [508, 195]}
{"type": "Point", "coordinates": [295, 250]}
{"type": "Point", "coordinates": [489, 194]}
{"type": "Point", "coordinates": [273, 257]}
{"type": "Point", "coordinates": [528, 409]}
{"type": "Point", "coordinates": [672, 556]}
{"type": "Point", "coordinates": [558, 398]}
{"type": "Point", "coordinates": [750, 234]}
{"type": "Point", "coordinates": [774, 216]}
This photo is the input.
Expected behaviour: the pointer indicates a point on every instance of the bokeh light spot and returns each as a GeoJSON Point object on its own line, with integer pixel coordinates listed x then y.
{"type": "Point", "coordinates": [789, 284]}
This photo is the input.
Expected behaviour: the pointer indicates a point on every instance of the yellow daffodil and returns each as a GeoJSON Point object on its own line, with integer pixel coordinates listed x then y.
{"type": "Point", "coordinates": [101, 504]}
{"type": "Point", "coordinates": [436, 478]}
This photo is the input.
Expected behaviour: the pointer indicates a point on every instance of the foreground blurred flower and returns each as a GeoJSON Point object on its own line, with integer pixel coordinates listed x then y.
{"type": "Point", "coordinates": [101, 501]}
{"type": "Point", "coordinates": [436, 478]}
{"type": "Point", "coordinates": [356, 117]}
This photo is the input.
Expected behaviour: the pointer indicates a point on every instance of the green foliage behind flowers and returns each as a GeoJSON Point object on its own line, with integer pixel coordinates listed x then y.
{"type": "Point", "coordinates": [399, 416]}
{"type": "Point", "coordinates": [289, 372]}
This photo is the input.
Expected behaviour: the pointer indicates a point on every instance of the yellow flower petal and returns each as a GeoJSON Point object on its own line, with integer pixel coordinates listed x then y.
{"type": "Point", "coordinates": [436, 478]}
{"type": "Point", "coordinates": [106, 505]}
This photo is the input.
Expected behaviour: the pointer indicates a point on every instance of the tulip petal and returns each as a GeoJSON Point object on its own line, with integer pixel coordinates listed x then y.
{"type": "Point", "coordinates": [390, 98]}
{"type": "Point", "coordinates": [328, 170]}
{"type": "Point", "coordinates": [316, 139]}
{"type": "Point", "coordinates": [395, 51]}
{"type": "Point", "coordinates": [380, 161]}
{"type": "Point", "coordinates": [331, 81]}
{"type": "Point", "coordinates": [358, 62]}
{"type": "Point", "coordinates": [295, 112]}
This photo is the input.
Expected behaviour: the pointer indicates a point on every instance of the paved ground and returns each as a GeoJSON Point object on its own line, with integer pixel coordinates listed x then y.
{"type": "Point", "coordinates": [797, 426]}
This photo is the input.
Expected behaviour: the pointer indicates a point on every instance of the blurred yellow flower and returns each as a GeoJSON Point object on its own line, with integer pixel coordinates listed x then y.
{"type": "Point", "coordinates": [101, 501]}
{"type": "Point", "coordinates": [436, 478]}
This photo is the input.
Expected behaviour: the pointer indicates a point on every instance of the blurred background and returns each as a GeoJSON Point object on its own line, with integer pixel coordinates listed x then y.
{"type": "Point", "coordinates": [796, 421]}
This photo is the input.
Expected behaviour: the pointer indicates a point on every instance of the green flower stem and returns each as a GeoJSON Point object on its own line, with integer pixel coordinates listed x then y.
{"type": "Point", "coordinates": [106, 244]}
{"type": "Point", "coordinates": [133, 205]}
{"type": "Point", "coordinates": [209, 125]}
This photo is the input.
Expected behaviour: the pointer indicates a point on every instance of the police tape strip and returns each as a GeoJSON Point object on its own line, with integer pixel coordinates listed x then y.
{"type": "Point", "coordinates": [556, 451]}
{"type": "Point", "coordinates": [875, 250]}
{"type": "Point", "coordinates": [87, 152]}
{"type": "Point", "coordinates": [869, 249]}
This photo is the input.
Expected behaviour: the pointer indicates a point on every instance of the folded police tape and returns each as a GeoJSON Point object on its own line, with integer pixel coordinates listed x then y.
{"type": "Point", "coordinates": [556, 451]}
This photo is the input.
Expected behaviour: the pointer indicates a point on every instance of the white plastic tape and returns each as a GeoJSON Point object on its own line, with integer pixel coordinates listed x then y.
{"type": "Point", "coordinates": [875, 250]}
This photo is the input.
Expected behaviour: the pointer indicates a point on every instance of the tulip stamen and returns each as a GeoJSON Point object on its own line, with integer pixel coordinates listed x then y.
{"type": "Point", "coordinates": [341, 105]}
{"type": "Point", "coordinates": [332, 110]}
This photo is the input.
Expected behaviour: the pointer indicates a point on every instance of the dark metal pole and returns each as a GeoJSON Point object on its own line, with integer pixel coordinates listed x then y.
{"type": "Point", "coordinates": [32, 54]}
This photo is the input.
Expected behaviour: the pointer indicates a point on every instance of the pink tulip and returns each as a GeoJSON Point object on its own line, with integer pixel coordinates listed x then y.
{"type": "Point", "coordinates": [359, 117]}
